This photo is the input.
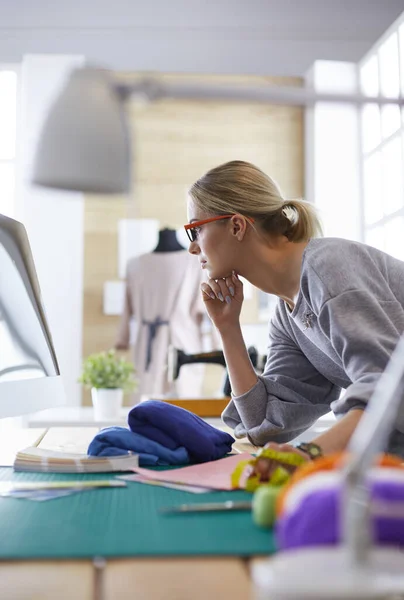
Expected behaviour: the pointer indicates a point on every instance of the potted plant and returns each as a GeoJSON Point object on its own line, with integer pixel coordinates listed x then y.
{"type": "Point", "coordinates": [108, 376]}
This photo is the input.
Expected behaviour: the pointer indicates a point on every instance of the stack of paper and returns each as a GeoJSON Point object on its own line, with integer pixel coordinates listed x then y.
{"type": "Point", "coordinates": [213, 475]}
{"type": "Point", "coordinates": [49, 490]}
{"type": "Point", "coordinates": [49, 461]}
{"type": "Point", "coordinates": [175, 486]}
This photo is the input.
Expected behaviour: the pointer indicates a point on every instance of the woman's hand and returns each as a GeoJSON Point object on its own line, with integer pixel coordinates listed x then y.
{"type": "Point", "coordinates": [223, 299]}
{"type": "Point", "coordinates": [264, 467]}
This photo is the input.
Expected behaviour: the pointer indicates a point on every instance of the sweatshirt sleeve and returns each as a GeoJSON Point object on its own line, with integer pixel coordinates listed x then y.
{"type": "Point", "coordinates": [363, 331]}
{"type": "Point", "coordinates": [286, 400]}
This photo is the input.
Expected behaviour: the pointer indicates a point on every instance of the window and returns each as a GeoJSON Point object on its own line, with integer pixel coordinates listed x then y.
{"type": "Point", "coordinates": [382, 73]}
{"type": "Point", "coordinates": [8, 138]}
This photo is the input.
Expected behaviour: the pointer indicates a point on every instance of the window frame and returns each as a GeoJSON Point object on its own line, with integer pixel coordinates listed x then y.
{"type": "Point", "coordinates": [379, 225]}
{"type": "Point", "coordinates": [16, 68]}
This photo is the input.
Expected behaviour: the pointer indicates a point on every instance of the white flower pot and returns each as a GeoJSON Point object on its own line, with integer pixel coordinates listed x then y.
{"type": "Point", "coordinates": [107, 403]}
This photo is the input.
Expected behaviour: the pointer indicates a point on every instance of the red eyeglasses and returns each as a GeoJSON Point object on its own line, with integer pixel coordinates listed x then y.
{"type": "Point", "coordinates": [192, 229]}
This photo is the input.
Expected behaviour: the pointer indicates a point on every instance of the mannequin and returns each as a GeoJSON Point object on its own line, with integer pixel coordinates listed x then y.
{"type": "Point", "coordinates": [168, 241]}
{"type": "Point", "coordinates": [163, 298]}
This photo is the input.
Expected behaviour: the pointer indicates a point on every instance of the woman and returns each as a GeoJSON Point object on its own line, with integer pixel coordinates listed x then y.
{"type": "Point", "coordinates": [339, 317]}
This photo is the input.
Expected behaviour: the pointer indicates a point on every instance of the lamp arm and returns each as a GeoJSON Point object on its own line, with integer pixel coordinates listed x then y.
{"type": "Point", "coordinates": [369, 439]}
{"type": "Point", "coordinates": [155, 89]}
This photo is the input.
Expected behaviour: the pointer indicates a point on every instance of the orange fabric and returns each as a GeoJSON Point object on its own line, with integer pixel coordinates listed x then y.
{"type": "Point", "coordinates": [328, 463]}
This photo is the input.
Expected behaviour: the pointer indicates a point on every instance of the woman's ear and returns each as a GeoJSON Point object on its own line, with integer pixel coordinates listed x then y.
{"type": "Point", "coordinates": [238, 227]}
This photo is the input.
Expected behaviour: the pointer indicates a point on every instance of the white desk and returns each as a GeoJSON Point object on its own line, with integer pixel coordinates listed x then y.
{"type": "Point", "coordinates": [74, 416]}
{"type": "Point", "coordinates": [84, 417]}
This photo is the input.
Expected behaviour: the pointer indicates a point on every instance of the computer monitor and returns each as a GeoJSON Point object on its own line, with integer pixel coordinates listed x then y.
{"type": "Point", "coordinates": [29, 372]}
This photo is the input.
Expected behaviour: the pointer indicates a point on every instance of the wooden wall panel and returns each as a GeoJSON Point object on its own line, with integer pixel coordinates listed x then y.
{"type": "Point", "coordinates": [174, 143]}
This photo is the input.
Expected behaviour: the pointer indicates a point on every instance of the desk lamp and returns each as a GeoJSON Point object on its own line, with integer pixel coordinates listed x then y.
{"type": "Point", "coordinates": [84, 146]}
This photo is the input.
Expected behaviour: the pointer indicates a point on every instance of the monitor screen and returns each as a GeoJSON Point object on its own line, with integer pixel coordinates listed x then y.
{"type": "Point", "coordinates": [29, 372]}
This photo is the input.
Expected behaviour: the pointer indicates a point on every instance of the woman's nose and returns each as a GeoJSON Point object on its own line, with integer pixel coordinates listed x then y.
{"type": "Point", "coordinates": [194, 248]}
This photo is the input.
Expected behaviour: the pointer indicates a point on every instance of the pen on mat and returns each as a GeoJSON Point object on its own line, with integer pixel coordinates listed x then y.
{"type": "Point", "coordinates": [206, 507]}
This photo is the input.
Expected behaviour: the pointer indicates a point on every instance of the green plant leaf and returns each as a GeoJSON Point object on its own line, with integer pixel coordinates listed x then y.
{"type": "Point", "coordinates": [105, 370]}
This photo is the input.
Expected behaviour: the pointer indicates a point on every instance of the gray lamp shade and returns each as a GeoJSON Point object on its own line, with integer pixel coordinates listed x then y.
{"type": "Point", "coordinates": [84, 144]}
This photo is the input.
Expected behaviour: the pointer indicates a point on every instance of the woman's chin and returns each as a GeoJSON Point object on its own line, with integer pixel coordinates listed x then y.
{"type": "Point", "coordinates": [216, 274]}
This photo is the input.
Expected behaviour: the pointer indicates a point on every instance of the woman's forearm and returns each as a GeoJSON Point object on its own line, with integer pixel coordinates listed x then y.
{"type": "Point", "coordinates": [241, 372]}
{"type": "Point", "coordinates": [338, 436]}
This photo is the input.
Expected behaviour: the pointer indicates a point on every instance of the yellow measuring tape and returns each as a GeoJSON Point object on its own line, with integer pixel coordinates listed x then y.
{"type": "Point", "coordinates": [279, 476]}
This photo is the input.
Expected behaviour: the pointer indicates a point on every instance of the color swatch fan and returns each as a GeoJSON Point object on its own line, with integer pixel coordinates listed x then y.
{"type": "Point", "coordinates": [49, 461]}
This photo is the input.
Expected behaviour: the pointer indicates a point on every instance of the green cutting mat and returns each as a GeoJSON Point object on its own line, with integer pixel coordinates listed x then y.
{"type": "Point", "coordinates": [123, 522]}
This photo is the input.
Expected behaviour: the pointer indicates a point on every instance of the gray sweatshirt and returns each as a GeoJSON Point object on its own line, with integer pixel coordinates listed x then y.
{"type": "Point", "coordinates": [347, 320]}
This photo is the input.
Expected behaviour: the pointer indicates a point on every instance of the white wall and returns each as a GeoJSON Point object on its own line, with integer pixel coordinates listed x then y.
{"type": "Point", "coordinates": [53, 219]}
{"type": "Point", "coordinates": [332, 168]}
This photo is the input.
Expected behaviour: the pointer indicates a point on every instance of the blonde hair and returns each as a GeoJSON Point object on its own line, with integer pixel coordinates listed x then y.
{"type": "Point", "coordinates": [238, 187]}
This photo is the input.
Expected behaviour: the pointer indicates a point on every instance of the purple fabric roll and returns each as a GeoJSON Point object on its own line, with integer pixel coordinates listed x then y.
{"type": "Point", "coordinates": [316, 519]}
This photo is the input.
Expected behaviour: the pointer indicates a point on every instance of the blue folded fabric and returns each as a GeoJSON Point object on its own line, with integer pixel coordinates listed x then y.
{"type": "Point", "coordinates": [174, 427]}
{"type": "Point", "coordinates": [114, 441]}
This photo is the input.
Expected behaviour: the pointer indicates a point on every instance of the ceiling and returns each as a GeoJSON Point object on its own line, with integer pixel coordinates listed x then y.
{"type": "Point", "coordinates": [273, 37]}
